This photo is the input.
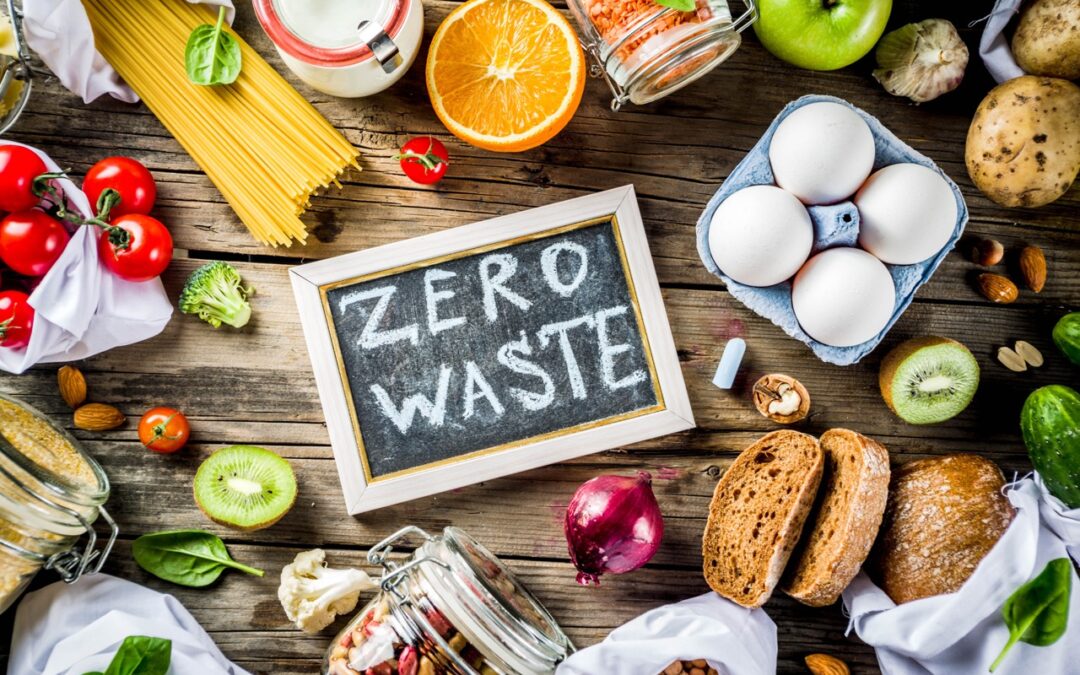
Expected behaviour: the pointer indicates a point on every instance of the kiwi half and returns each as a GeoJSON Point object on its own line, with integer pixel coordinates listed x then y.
{"type": "Point", "coordinates": [928, 379]}
{"type": "Point", "coordinates": [245, 487]}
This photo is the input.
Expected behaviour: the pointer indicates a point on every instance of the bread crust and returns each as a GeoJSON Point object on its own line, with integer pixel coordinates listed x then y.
{"type": "Point", "coordinates": [757, 514]}
{"type": "Point", "coordinates": [851, 505]}
{"type": "Point", "coordinates": [944, 515]}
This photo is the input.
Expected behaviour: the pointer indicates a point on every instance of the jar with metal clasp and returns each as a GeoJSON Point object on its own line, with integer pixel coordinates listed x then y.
{"type": "Point", "coordinates": [16, 76]}
{"type": "Point", "coordinates": [645, 51]}
{"type": "Point", "coordinates": [451, 608]}
{"type": "Point", "coordinates": [51, 494]}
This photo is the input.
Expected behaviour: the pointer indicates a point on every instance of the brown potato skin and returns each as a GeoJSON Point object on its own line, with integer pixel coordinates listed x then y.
{"type": "Point", "coordinates": [1023, 145]}
{"type": "Point", "coordinates": [1047, 39]}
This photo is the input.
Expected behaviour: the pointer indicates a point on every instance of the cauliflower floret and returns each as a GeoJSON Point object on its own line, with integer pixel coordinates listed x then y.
{"type": "Point", "coordinates": [313, 594]}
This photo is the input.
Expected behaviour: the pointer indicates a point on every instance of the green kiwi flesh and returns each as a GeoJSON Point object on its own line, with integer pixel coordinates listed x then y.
{"type": "Point", "coordinates": [934, 383]}
{"type": "Point", "coordinates": [245, 487]}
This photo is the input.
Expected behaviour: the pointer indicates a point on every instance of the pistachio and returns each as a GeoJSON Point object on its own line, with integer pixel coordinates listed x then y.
{"type": "Point", "coordinates": [781, 398]}
{"type": "Point", "coordinates": [1011, 360]}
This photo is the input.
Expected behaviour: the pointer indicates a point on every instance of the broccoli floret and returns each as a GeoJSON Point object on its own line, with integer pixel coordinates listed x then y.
{"type": "Point", "coordinates": [215, 293]}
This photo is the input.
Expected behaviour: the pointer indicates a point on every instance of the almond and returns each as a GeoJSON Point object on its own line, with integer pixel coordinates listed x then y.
{"type": "Point", "coordinates": [997, 288]}
{"type": "Point", "coordinates": [72, 386]}
{"type": "Point", "coordinates": [823, 664]}
{"type": "Point", "coordinates": [987, 252]}
{"type": "Point", "coordinates": [1033, 267]}
{"type": "Point", "coordinates": [98, 417]}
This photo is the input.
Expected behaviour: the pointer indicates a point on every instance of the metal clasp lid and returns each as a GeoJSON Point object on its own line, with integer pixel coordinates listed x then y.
{"type": "Point", "coordinates": [380, 44]}
{"type": "Point", "coordinates": [72, 564]}
{"type": "Point", "coordinates": [393, 574]}
{"type": "Point", "coordinates": [17, 70]}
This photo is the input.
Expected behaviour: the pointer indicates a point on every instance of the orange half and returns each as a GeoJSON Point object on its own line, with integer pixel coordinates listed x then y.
{"type": "Point", "coordinates": [505, 75]}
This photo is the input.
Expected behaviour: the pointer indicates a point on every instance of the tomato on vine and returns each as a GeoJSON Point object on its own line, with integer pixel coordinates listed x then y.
{"type": "Point", "coordinates": [133, 187]}
{"type": "Point", "coordinates": [135, 247]}
{"type": "Point", "coordinates": [424, 160]}
{"type": "Point", "coordinates": [19, 167]}
{"type": "Point", "coordinates": [164, 430]}
{"type": "Point", "coordinates": [31, 241]}
{"type": "Point", "coordinates": [16, 319]}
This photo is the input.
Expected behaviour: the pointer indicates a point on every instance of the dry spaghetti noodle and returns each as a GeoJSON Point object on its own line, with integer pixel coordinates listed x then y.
{"type": "Point", "coordinates": [265, 148]}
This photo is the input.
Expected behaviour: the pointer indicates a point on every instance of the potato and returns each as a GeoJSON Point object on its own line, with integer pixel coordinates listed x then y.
{"type": "Point", "coordinates": [1047, 39]}
{"type": "Point", "coordinates": [1023, 146]}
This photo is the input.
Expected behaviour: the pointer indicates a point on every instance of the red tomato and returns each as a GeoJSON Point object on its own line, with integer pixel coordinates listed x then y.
{"type": "Point", "coordinates": [424, 160]}
{"type": "Point", "coordinates": [19, 167]}
{"type": "Point", "coordinates": [164, 430]}
{"type": "Point", "coordinates": [129, 178]}
{"type": "Point", "coordinates": [135, 247]}
{"type": "Point", "coordinates": [31, 241]}
{"type": "Point", "coordinates": [16, 320]}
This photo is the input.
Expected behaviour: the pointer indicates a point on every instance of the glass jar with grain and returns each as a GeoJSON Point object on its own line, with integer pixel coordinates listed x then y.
{"type": "Point", "coordinates": [51, 493]}
{"type": "Point", "coordinates": [645, 50]}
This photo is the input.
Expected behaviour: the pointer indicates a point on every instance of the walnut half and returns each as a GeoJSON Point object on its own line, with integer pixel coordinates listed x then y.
{"type": "Point", "coordinates": [781, 398]}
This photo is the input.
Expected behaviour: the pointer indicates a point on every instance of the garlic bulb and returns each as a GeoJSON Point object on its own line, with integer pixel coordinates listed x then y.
{"type": "Point", "coordinates": [921, 60]}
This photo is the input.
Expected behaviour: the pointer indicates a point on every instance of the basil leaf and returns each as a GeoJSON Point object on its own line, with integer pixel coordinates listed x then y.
{"type": "Point", "coordinates": [681, 5]}
{"type": "Point", "coordinates": [140, 655]}
{"type": "Point", "coordinates": [212, 55]}
{"type": "Point", "coordinates": [1038, 611]}
{"type": "Point", "coordinates": [187, 557]}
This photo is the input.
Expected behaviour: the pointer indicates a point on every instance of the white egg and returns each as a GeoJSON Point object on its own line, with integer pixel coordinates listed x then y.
{"type": "Point", "coordinates": [907, 213]}
{"type": "Point", "coordinates": [760, 235]}
{"type": "Point", "coordinates": [843, 296]}
{"type": "Point", "coordinates": [822, 153]}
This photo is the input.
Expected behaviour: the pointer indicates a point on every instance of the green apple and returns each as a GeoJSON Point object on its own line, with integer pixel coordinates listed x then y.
{"type": "Point", "coordinates": [821, 34]}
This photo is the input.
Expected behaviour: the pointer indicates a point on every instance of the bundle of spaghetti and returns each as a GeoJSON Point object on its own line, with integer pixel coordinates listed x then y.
{"type": "Point", "coordinates": [261, 143]}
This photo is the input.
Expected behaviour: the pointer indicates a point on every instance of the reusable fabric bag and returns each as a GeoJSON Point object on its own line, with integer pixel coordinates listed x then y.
{"type": "Point", "coordinates": [71, 629]}
{"type": "Point", "coordinates": [963, 632]}
{"type": "Point", "coordinates": [733, 639]}
{"type": "Point", "coordinates": [81, 308]}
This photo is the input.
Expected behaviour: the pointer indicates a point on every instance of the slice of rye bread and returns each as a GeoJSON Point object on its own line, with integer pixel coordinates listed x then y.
{"type": "Point", "coordinates": [757, 513]}
{"type": "Point", "coordinates": [850, 506]}
{"type": "Point", "coordinates": [944, 515]}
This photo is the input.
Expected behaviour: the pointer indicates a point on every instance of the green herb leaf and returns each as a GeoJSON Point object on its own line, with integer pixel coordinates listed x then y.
{"type": "Point", "coordinates": [212, 55]}
{"type": "Point", "coordinates": [1038, 611]}
{"type": "Point", "coordinates": [140, 655]}
{"type": "Point", "coordinates": [681, 5]}
{"type": "Point", "coordinates": [187, 557]}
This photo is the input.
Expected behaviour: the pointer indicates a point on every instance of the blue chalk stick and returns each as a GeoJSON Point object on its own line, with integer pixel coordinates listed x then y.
{"type": "Point", "coordinates": [729, 363]}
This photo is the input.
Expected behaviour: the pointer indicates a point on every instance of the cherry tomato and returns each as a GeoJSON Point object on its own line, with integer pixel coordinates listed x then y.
{"type": "Point", "coordinates": [164, 430]}
{"type": "Point", "coordinates": [135, 247]}
{"type": "Point", "coordinates": [16, 320]}
{"type": "Point", "coordinates": [31, 241]}
{"type": "Point", "coordinates": [129, 178]}
{"type": "Point", "coordinates": [424, 160]}
{"type": "Point", "coordinates": [19, 167]}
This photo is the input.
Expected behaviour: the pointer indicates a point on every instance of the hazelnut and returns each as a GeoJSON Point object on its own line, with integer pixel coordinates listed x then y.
{"type": "Point", "coordinates": [987, 252]}
{"type": "Point", "coordinates": [781, 398]}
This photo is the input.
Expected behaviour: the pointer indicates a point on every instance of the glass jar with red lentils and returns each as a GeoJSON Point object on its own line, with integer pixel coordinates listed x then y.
{"type": "Point", "coordinates": [452, 608]}
{"type": "Point", "coordinates": [646, 50]}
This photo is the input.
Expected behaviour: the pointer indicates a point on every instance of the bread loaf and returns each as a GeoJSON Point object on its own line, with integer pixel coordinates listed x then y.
{"type": "Point", "coordinates": [757, 513]}
{"type": "Point", "coordinates": [848, 514]}
{"type": "Point", "coordinates": [943, 517]}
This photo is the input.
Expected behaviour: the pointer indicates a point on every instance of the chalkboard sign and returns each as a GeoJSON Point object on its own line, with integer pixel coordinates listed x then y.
{"type": "Point", "coordinates": [490, 348]}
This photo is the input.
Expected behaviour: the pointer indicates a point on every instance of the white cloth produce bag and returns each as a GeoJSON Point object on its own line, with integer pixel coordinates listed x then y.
{"type": "Point", "coordinates": [994, 46]}
{"type": "Point", "coordinates": [1064, 522]}
{"type": "Point", "coordinates": [81, 308]}
{"type": "Point", "coordinates": [963, 632]}
{"type": "Point", "coordinates": [71, 629]}
{"type": "Point", "coordinates": [59, 31]}
{"type": "Point", "coordinates": [733, 639]}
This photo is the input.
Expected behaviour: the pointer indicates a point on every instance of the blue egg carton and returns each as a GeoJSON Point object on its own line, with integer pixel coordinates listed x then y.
{"type": "Point", "coordinates": [834, 225]}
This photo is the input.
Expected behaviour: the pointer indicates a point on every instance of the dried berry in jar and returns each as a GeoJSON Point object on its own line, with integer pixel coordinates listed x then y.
{"type": "Point", "coordinates": [695, 667]}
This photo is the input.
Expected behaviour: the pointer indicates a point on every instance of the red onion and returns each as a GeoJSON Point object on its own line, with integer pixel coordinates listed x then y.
{"type": "Point", "coordinates": [613, 524]}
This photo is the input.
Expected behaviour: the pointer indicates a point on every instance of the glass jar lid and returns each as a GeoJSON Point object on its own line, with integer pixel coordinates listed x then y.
{"type": "Point", "coordinates": [328, 32]}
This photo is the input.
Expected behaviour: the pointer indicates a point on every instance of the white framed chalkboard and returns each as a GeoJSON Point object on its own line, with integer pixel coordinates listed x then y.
{"type": "Point", "coordinates": [490, 348]}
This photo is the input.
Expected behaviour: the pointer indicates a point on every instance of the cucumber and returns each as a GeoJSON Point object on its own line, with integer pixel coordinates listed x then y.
{"type": "Point", "coordinates": [1067, 336]}
{"type": "Point", "coordinates": [1050, 423]}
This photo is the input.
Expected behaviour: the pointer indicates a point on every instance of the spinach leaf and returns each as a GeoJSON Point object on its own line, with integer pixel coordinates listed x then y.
{"type": "Point", "coordinates": [186, 557]}
{"type": "Point", "coordinates": [681, 5]}
{"type": "Point", "coordinates": [1038, 611]}
{"type": "Point", "coordinates": [212, 55]}
{"type": "Point", "coordinates": [140, 655]}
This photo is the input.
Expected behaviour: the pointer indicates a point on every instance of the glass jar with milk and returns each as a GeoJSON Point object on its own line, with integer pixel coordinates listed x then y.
{"type": "Point", "coordinates": [345, 48]}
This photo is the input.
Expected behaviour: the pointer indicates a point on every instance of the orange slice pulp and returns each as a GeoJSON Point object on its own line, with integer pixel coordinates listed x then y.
{"type": "Point", "coordinates": [505, 75]}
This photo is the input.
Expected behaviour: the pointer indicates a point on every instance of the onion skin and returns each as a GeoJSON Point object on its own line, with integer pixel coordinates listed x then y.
{"type": "Point", "coordinates": [613, 525]}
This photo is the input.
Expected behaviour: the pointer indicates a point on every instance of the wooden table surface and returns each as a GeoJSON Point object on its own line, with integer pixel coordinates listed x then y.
{"type": "Point", "coordinates": [255, 385]}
